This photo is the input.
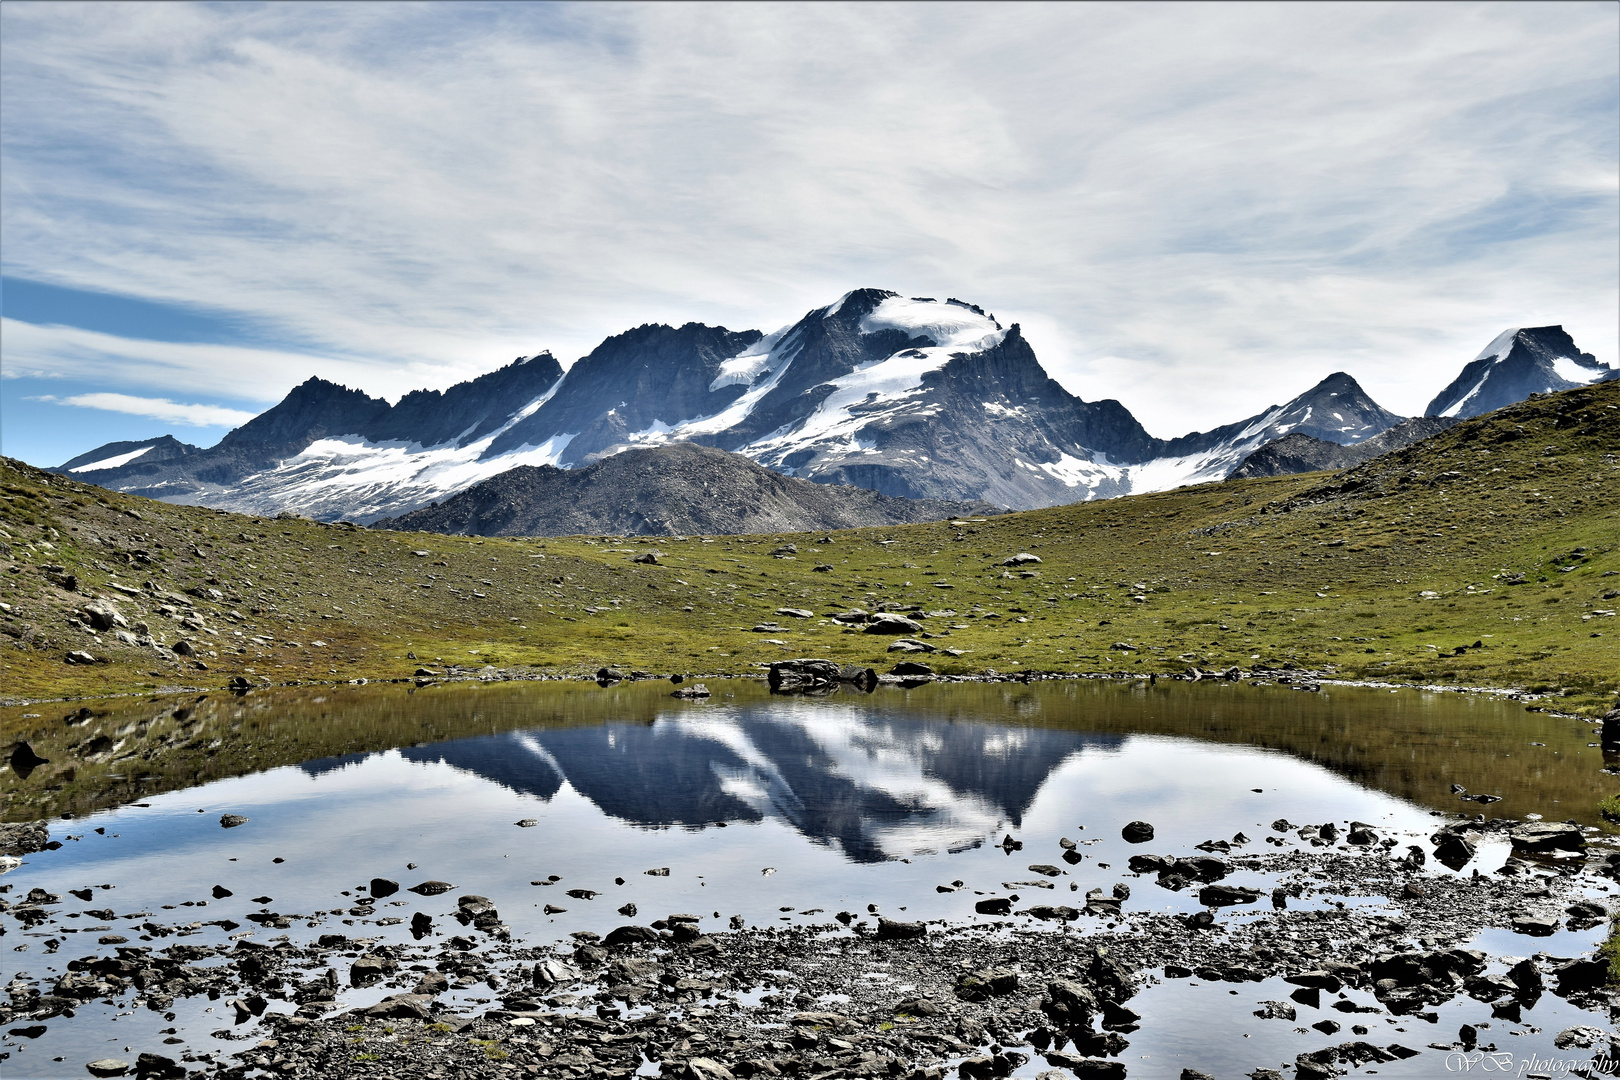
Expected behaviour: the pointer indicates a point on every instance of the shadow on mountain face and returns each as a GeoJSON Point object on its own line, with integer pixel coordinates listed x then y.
{"type": "Point", "coordinates": [875, 786]}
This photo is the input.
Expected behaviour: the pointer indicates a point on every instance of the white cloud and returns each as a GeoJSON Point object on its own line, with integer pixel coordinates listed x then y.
{"type": "Point", "coordinates": [1198, 209]}
{"type": "Point", "coordinates": [173, 412]}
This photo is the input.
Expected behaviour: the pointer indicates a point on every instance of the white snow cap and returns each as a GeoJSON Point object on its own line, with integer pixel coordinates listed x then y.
{"type": "Point", "coordinates": [947, 324]}
{"type": "Point", "coordinates": [1501, 345]}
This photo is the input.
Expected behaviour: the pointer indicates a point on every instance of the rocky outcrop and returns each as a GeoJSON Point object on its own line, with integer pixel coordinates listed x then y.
{"type": "Point", "coordinates": [675, 490]}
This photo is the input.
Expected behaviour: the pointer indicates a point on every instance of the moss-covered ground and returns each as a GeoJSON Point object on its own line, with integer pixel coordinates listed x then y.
{"type": "Point", "coordinates": [1486, 556]}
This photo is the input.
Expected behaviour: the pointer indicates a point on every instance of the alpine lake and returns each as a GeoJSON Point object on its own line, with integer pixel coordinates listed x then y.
{"type": "Point", "coordinates": [782, 829]}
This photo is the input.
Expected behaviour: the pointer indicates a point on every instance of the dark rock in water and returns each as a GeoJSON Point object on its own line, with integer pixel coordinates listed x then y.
{"type": "Point", "coordinates": [1137, 832]}
{"type": "Point", "coordinates": [1453, 850]}
{"type": "Point", "coordinates": [1072, 857]}
{"type": "Point", "coordinates": [1362, 835]}
{"type": "Point", "coordinates": [911, 668]}
{"type": "Point", "coordinates": [1050, 911]}
{"type": "Point", "coordinates": [24, 837]}
{"type": "Point", "coordinates": [1113, 979]}
{"type": "Point", "coordinates": [1118, 1018]}
{"type": "Point", "coordinates": [863, 678]}
{"type": "Point", "coordinates": [220, 892]}
{"type": "Point", "coordinates": [1008, 844]}
{"type": "Point", "coordinates": [421, 924]}
{"type": "Point", "coordinates": [431, 888]}
{"type": "Point", "coordinates": [371, 969]}
{"type": "Point", "coordinates": [1276, 1010]}
{"type": "Point", "coordinates": [1194, 1074]}
{"type": "Point", "coordinates": [1316, 980]}
{"type": "Point", "coordinates": [1085, 1068]}
{"type": "Point", "coordinates": [607, 675]}
{"type": "Point", "coordinates": [995, 905]}
{"type": "Point", "coordinates": [1150, 864]}
{"type": "Point", "coordinates": [786, 675]}
{"type": "Point", "coordinates": [158, 1067]}
{"type": "Point", "coordinates": [1546, 836]}
{"type": "Point", "coordinates": [692, 693]}
{"type": "Point", "coordinates": [1045, 869]}
{"type": "Point", "coordinates": [381, 887]}
{"type": "Point", "coordinates": [1535, 925]}
{"type": "Point", "coordinates": [231, 821]}
{"type": "Point", "coordinates": [628, 911]}
{"type": "Point", "coordinates": [1578, 976]}
{"type": "Point", "coordinates": [896, 930]}
{"type": "Point", "coordinates": [1070, 1005]}
{"type": "Point", "coordinates": [1221, 895]}
{"type": "Point", "coordinates": [108, 1067]}
{"type": "Point", "coordinates": [630, 935]}
{"type": "Point", "coordinates": [1526, 976]}
{"type": "Point", "coordinates": [425, 673]}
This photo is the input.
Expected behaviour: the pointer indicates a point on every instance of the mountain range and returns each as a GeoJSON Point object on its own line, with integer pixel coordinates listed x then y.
{"type": "Point", "coordinates": [911, 397]}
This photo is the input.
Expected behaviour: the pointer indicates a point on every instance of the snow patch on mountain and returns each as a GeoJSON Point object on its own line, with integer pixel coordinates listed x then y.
{"type": "Point", "coordinates": [1500, 345]}
{"type": "Point", "coordinates": [370, 479]}
{"type": "Point", "coordinates": [1076, 472]}
{"type": "Point", "coordinates": [1579, 374]}
{"type": "Point", "coordinates": [747, 366]}
{"type": "Point", "coordinates": [943, 324]}
{"type": "Point", "coordinates": [110, 462]}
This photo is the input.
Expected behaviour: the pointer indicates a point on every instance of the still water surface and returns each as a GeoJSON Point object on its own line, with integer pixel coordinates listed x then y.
{"type": "Point", "coordinates": [774, 809]}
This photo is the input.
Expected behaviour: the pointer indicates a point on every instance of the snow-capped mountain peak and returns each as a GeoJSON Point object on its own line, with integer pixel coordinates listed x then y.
{"type": "Point", "coordinates": [1519, 362]}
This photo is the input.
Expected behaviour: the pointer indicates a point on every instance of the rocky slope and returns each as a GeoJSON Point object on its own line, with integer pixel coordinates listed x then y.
{"type": "Point", "coordinates": [1299, 453]}
{"type": "Point", "coordinates": [670, 490]}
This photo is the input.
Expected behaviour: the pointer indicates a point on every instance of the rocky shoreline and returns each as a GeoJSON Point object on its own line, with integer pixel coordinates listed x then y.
{"type": "Point", "coordinates": [1368, 941]}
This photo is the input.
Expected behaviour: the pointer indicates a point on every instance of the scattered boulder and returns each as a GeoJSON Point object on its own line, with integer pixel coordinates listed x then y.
{"type": "Point", "coordinates": [911, 669]}
{"type": "Point", "coordinates": [803, 674]}
{"type": "Point", "coordinates": [985, 983]}
{"type": "Point", "coordinates": [1223, 895]}
{"type": "Point", "coordinates": [886, 622]}
{"type": "Point", "coordinates": [1023, 558]}
{"type": "Point", "coordinates": [647, 558]}
{"type": "Point", "coordinates": [1546, 836]}
{"type": "Point", "coordinates": [1137, 832]}
{"type": "Point", "coordinates": [896, 930]}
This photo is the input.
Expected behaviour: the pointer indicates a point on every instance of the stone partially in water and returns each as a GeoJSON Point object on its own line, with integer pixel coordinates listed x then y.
{"type": "Point", "coordinates": [431, 888]}
{"type": "Point", "coordinates": [1137, 832]}
{"type": "Point", "coordinates": [231, 821]}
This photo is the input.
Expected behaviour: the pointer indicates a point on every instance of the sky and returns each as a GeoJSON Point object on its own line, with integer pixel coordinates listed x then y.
{"type": "Point", "coordinates": [1196, 209]}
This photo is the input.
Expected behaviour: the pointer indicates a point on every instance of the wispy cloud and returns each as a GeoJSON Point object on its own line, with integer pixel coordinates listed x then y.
{"type": "Point", "coordinates": [172, 412]}
{"type": "Point", "coordinates": [1196, 208]}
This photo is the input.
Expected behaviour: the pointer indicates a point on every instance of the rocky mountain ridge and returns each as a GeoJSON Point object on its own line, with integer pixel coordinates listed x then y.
{"type": "Point", "coordinates": [675, 490]}
{"type": "Point", "coordinates": [909, 397]}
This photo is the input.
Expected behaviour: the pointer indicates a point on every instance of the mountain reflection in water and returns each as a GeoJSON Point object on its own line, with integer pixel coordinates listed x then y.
{"type": "Point", "coordinates": [877, 786]}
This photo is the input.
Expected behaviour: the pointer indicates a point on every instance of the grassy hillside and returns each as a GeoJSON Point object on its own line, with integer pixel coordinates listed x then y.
{"type": "Point", "coordinates": [1485, 556]}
